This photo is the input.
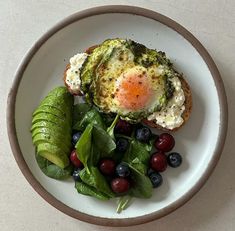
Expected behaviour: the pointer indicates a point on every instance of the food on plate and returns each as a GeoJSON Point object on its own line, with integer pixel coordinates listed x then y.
{"type": "Point", "coordinates": [104, 143]}
{"type": "Point", "coordinates": [51, 127]}
{"type": "Point", "coordinates": [124, 77]}
{"type": "Point", "coordinates": [106, 156]}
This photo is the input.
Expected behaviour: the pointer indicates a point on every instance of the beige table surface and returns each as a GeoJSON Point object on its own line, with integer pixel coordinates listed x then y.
{"type": "Point", "coordinates": [24, 21]}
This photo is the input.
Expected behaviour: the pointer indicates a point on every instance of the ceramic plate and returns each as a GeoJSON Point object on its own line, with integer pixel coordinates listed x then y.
{"type": "Point", "coordinates": [200, 141]}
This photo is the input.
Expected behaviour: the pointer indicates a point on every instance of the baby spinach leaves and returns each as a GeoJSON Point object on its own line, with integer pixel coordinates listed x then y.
{"type": "Point", "coordinates": [142, 186]}
{"type": "Point", "coordinates": [90, 191]}
{"type": "Point", "coordinates": [98, 142]}
{"type": "Point", "coordinates": [95, 179]}
{"type": "Point", "coordinates": [137, 155]}
{"type": "Point", "coordinates": [110, 129]}
{"type": "Point", "coordinates": [103, 141]}
{"type": "Point", "coordinates": [79, 111]}
{"type": "Point", "coordinates": [94, 143]}
{"type": "Point", "coordinates": [91, 117]}
{"type": "Point", "coordinates": [123, 203]}
{"type": "Point", "coordinates": [84, 144]}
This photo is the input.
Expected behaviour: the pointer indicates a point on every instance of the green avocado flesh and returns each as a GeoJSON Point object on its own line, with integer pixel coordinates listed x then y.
{"type": "Point", "coordinates": [53, 153]}
{"type": "Point", "coordinates": [105, 66]}
{"type": "Point", "coordinates": [52, 132]}
{"type": "Point", "coordinates": [41, 138]}
{"type": "Point", "coordinates": [46, 116]}
{"type": "Point", "coordinates": [52, 127]}
{"type": "Point", "coordinates": [51, 110]}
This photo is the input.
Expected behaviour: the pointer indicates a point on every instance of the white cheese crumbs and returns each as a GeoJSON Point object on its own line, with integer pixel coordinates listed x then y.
{"type": "Point", "coordinates": [171, 116]}
{"type": "Point", "coordinates": [73, 73]}
{"type": "Point", "coordinates": [159, 70]}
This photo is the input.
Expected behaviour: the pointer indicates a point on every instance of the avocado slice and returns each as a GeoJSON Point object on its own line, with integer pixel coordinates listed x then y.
{"type": "Point", "coordinates": [50, 109]}
{"type": "Point", "coordinates": [59, 91]}
{"type": "Point", "coordinates": [59, 102]}
{"type": "Point", "coordinates": [40, 138]}
{"type": "Point", "coordinates": [53, 132]}
{"type": "Point", "coordinates": [47, 124]}
{"type": "Point", "coordinates": [44, 116]}
{"type": "Point", "coordinates": [54, 154]}
{"type": "Point", "coordinates": [65, 106]}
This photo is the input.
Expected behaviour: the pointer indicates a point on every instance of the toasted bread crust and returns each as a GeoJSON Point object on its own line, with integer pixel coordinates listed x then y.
{"type": "Point", "coordinates": [186, 114]}
{"type": "Point", "coordinates": [90, 49]}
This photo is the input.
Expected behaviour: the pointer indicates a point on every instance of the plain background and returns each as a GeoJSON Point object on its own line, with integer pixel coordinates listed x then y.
{"type": "Point", "coordinates": [22, 22]}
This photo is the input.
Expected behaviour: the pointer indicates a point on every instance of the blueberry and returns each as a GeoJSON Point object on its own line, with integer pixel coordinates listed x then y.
{"type": "Point", "coordinates": [143, 134]}
{"type": "Point", "coordinates": [122, 144]}
{"type": "Point", "coordinates": [76, 137]}
{"type": "Point", "coordinates": [122, 170]}
{"type": "Point", "coordinates": [76, 174]}
{"type": "Point", "coordinates": [174, 159]}
{"type": "Point", "coordinates": [156, 179]}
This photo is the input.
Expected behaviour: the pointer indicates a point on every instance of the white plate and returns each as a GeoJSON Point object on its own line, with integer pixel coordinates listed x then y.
{"type": "Point", "coordinates": [200, 141]}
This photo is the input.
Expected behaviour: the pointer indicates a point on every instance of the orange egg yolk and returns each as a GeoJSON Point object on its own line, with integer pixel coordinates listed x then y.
{"type": "Point", "coordinates": [134, 91]}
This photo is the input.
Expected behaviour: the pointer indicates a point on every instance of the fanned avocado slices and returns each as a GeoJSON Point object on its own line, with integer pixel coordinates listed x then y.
{"type": "Point", "coordinates": [47, 116]}
{"type": "Point", "coordinates": [50, 139]}
{"type": "Point", "coordinates": [52, 110]}
{"type": "Point", "coordinates": [52, 127]}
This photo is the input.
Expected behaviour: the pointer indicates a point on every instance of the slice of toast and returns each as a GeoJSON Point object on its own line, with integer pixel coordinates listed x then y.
{"type": "Point", "coordinates": [186, 113]}
{"type": "Point", "coordinates": [185, 87]}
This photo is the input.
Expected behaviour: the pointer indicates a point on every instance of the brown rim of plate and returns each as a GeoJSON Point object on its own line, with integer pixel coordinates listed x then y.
{"type": "Point", "coordinates": [12, 130]}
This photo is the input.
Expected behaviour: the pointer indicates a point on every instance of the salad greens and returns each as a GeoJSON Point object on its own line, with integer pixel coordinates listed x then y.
{"type": "Point", "coordinates": [84, 145]}
{"type": "Point", "coordinates": [142, 186]}
{"type": "Point", "coordinates": [79, 111]}
{"type": "Point", "coordinates": [96, 142]}
{"type": "Point", "coordinates": [95, 179]}
{"type": "Point", "coordinates": [103, 141]}
{"type": "Point", "coordinates": [90, 191]}
{"type": "Point", "coordinates": [123, 203]}
{"type": "Point", "coordinates": [92, 117]}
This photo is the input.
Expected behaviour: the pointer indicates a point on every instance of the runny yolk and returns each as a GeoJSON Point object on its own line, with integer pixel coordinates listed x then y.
{"type": "Point", "coordinates": [134, 91]}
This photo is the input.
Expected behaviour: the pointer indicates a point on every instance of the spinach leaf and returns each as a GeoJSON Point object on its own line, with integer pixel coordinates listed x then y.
{"type": "Point", "coordinates": [84, 145]}
{"type": "Point", "coordinates": [56, 172]}
{"type": "Point", "coordinates": [90, 191]}
{"type": "Point", "coordinates": [52, 170]}
{"type": "Point", "coordinates": [137, 164]}
{"type": "Point", "coordinates": [79, 111]}
{"type": "Point", "coordinates": [138, 155]}
{"type": "Point", "coordinates": [95, 179]}
{"type": "Point", "coordinates": [110, 129]}
{"type": "Point", "coordinates": [123, 203]}
{"type": "Point", "coordinates": [91, 117]}
{"type": "Point", "coordinates": [142, 186]}
{"type": "Point", "coordinates": [94, 156]}
{"type": "Point", "coordinates": [103, 141]}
